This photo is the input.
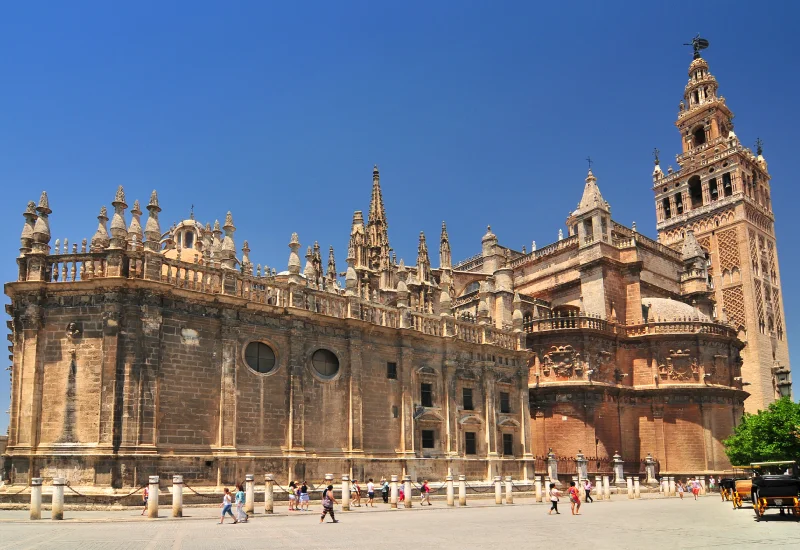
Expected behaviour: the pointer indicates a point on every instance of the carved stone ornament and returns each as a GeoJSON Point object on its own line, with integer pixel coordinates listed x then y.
{"type": "Point", "coordinates": [562, 360]}
{"type": "Point", "coordinates": [678, 365]}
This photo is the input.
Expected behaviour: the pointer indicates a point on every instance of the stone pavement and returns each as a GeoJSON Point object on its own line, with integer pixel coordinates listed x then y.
{"type": "Point", "coordinates": [618, 524]}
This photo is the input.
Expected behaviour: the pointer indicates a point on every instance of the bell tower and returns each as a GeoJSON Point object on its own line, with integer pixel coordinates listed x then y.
{"type": "Point", "coordinates": [721, 193]}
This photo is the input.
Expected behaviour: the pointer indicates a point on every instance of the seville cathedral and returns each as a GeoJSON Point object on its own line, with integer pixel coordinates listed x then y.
{"type": "Point", "coordinates": [144, 352]}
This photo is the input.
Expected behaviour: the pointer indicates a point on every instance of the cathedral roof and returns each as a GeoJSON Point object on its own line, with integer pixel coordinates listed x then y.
{"type": "Point", "coordinates": [666, 309]}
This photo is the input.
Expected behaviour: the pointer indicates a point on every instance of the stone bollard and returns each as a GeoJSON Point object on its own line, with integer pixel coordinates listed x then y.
{"type": "Point", "coordinates": [498, 491]}
{"type": "Point", "coordinates": [509, 491]}
{"type": "Point", "coordinates": [36, 498]}
{"type": "Point", "coordinates": [671, 481]}
{"type": "Point", "coordinates": [269, 497]}
{"type": "Point", "coordinates": [177, 496]}
{"type": "Point", "coordinates": [664, 487]}
{"type": "Point", "coordinates": [619, 474]}
{"type": "Point", "coordinates": [637, 490]}
{"type": "Point", "coordinates": [537, 487]}
{"type": "Point", "coordinates": [629, 483]}
{"type": "Point", "coordinates": [450, 494]}
{"type": "Point", "coordinates": [407, 490]}
{"type": "Point", "coordinates": [345, 493]}
{"type": "Point", "coordinates": [606, 488]}
{"type": "Point", "coordinates": [152, 498]}
{"type": "Point", "coordinates": [702, 485]}
{"type": "Point", "coordinates": [249, 493]}
{"type": "Point", "coordinates": [58, 498]}
{"type": "Point", "coordinates": [394, 493]}
{"type": "Point", "coordinates": [462, 490]}
{"type": "Point", "coordinates": [598, 488]}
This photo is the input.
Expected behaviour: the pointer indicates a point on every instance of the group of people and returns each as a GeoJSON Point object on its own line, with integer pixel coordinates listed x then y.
{"type": "Point", "coordinates": [574, 498]}
{"type": "Point", "coordinates": [227, 504]}
{"type": "Point", "coordinates": [692, 485]}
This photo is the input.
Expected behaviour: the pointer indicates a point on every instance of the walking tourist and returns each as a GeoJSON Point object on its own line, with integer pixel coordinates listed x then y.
{"type": "Point", "coordinates": [425, 493]}
{"type": "Point", "coordinates": [145, 496]}
{"type": "Point", "coordinates": [292, 496]}
{"type": "Point", "coordinates": [588, 488]}
{"type": "Point", "coordinates": [401, 493]}
{"type": "Point", "coordinates": [304, 496]}
{"type": "Point", "coordinates": [695, 487]}
{"type": "Point", "coordinates": [553, 499]}
{"type": "Point", "coordinates": [711, 483]}
{"type": "Point", "coordinates": [371, 493]}
{"type": "Point", "coordinates": [574, 499]}
{"type": "Point", "coordinates": [328, 500]}
{"type": "Point", "coordinates": [241, 515]}
{"type": "Point", "coordinates": [385, 490]}
{"type": "Point", "coordinates": [355, 490]}
{"type": "Point", "coordinates": [681, 489]}
{"type": "Point", "coordinates": [226, 507]}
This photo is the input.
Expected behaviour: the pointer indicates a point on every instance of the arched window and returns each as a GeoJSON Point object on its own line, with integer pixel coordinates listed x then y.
{"type": "Point", "coordinates": [699, 135]}
{"type": "Point", "coordinates": [696, 191]}
{"type": "Point", "coordinates": [667, 209]}
{"type": "Point", "coordinates": [188, 239]}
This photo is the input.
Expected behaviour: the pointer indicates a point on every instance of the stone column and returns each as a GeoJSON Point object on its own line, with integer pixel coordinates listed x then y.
{"type": "Point", "coordinates": [630, 486]}
{"type": "Point", "coordinates": [450, 494]}
{"type": "Point", "coordinates": [637, 491]}
{"type": "Point", "coordinates": [498, 490]}
{"type": "Point", "coordinates": [702, 485]}
{"type": "Point", "coordinates": [152, 499]}
{"type": "Point", "coordinates": [345, 493]}
{"type": "Point", "coordinates": [509, 491]}
{"type": "Point", "coordinates": [58, 498]}
{"type": "Point", "coordinates": [665, 486]}
{"type": "Point", "coordinates": [671, 481]}
{"type": "Point", "coordinates": [462, 490]}
{"type": "Point", "coordinates": [598, 488]}
{"type": "Point", "coordinates": [227, 368]}
{"type": "Point", "coordinates": [269, 499]}
{"type": "Point", "coordinates": [36, 498]}
{"type": "Point", "coordinates": [650, 469]}
{"type": "Point", "coordinates": [582, 465]}
{"type": "Point", "coordinates": [249, 493]}
{"type": "Point", "coordinates": [393, 494]}
{"type": "Point", "coordinates": [537, 484]}
{"type": "Point", "coordinates": [552, 467]}
{"type": "Point", "coordinates": [619, 474]}
{"type": "Point", "coordinates": [407, 490]}
{"type": "Point", "coordinates": [177, 496]}
{"type": "Point", "coordinates": [606, 488]}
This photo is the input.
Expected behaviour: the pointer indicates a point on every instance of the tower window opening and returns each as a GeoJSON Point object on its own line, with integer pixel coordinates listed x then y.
{"type": "Point", "coordinates": [696, 191]}
{"type": "Point", "coordinates": [699, 134]}
{"type": "Point", "coordinates": [679, 203]}
{"type": "Point", "coordinates": [712, 189]}
{"type": "Point", "coordinates": [188, 240]}
{"type": "Point", "coordinates": [727, 188]}
{"type": "Point", "coordinates": [695, 99]}
{"type": "Point", "coordinates": [667, 210]}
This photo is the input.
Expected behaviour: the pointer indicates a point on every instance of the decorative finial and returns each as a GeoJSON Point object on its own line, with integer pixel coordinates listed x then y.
{"type": "Point", "coordinates": [153, 201]}
{"type": "Point", "coordinates": [191, 212]}
{"type": "Point", "coordinates": [759, 146]}
{"type": "Point", "coordinates": [655, 155]}
{"type": "Point", "coordinates": [589, 160]}
{"type": "Point", "coordinates": [698, 44]}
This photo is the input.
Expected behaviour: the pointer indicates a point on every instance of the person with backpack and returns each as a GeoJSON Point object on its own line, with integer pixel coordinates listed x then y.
{"type": "Point", "coordinates": [304, 497]}
{"type": "Point", "coordinates": [240, 498]}
{"type": "Point", "coordinates": [328, 500]}
{"type": "Point", "coordinates": [574, 499]}
{"type": "Point", "coordinates": [425, 494]}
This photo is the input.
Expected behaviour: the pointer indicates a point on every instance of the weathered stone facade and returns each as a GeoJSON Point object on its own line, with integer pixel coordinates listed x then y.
{"type": "Point", "coordinates": [147, 352]}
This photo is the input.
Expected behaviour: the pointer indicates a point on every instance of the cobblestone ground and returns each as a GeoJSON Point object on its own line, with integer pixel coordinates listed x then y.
{"type": "Point", "coordinates": [649, 523]}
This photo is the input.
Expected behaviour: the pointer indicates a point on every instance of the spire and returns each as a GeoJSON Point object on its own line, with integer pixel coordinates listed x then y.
{"type": "Point", "coordinates": [135, 228]}
{"type": "Point", "coordinates": [358, 241]}
{"type": "Point", "coordinates": [691, 248]}
{"type": "Point", "coordinates": [308, 272]}
{"type": "Point", "coordinates": [445, 258]}
{"type": "Point", "coordinates": [377, 227]}
{"type": "Point", "coordinates": [152, 229]}
{"type": "Point", "coordinates": [294, 257]}
{"type": "Point", "coordinates": [247, 266]}
{"type": "Point", "coordinates": [331, 275]}
{"type": "Point", "coordinates": [228, 247]}
{"type": "Point", "coordinates": [316, 260]}
{"type": "Point", "coordinates": [26, 239]}
{"type": "Point", "coordinates": [41, 227]}
{"type": "Point", "coordinates": [423, 261]}
{"type": "Point", "coordinates": [351, 279]}
{"type": "Point", "coordinates": [119, 230]}
{"type": "Point", "coordinates": [591, 196]}
{"type": "Point", "coordinates": [100, 240]}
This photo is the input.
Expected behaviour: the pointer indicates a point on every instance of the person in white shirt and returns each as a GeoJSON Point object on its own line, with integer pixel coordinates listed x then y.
{"type": "Point", "coordinates": [588, 488]}
{"type": "Point", "coordinates": [371, 493]}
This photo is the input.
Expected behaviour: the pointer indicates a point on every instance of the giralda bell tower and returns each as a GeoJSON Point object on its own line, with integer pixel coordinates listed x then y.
{"type": "Point", "coordinates": [721, 192]}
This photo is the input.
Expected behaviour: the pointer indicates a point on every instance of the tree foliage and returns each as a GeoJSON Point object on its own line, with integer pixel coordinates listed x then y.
{"type": "Point", "coordinates": [773, 434]}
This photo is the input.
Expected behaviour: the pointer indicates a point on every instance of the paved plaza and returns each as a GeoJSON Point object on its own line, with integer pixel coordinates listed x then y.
{"type": "Point", "coordinates": [649, 523]}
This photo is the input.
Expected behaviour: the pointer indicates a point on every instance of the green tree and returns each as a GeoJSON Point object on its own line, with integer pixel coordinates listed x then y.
{"type": "Point", "coordinates": [773, 434]}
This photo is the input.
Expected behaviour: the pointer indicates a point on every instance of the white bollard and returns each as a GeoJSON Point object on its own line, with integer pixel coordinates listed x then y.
{"type": "Point", "coordinates": [407, 490]}
{"type": "Point", "coordinates": [36, 498]}
{"type": "Point", "coordinates": [606, 488]}
{"type": "Point", "coordinates": [450, 493]}
{"type": "Point", "coordinates": [58, 498]}
{"type": "Point", "coordinates": [509, 489]}
{"type": "Point", "coordinates": [637, 490]}
{"type": "Point", "coordinates": [537, 487]}
{"type": "Point", "coordinates": [177, 496]}
{"type": "Point", "coordinates": [671, 486]}
{"type": "Point", "coordinates": [598, 488]}
{"type": "Point", "coordinates": [629, 483]}
{"type": "Point", "coordinates": [703, 485]}
{"type": "Point", "coordinates": [462, 490]}
{"type": "Point", "coordinates": [498, 491]}
{"type": "Point", "coordinates": [345, 493]}
{"type": "Point", "coordinates": [152, 498]}
{"type": "Point", "coordinates": [269, 497]}
{"type": "Point", "coordinates": [394, 495]}
{"type": "Point", "coordinates": [249, 493]}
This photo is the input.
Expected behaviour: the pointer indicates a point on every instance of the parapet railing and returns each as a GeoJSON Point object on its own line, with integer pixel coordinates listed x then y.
{"type": "Point", "coordinates": [570, 322]}
{"type": "Point", "coordinates": [637, 328]}
{"type": "Point", "coordinates": [558, 246]}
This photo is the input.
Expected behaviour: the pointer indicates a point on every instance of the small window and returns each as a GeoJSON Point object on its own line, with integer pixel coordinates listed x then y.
{"type": "Point", "coordinates": [508, 444]}
{"type": "Point", "coordinates": [325, 363]}
{"type": "Point", "coordinates": [467, 399]}
{"type": "Point", "coordinates": [427, 439]}
{"type": "Point", "coordinates": [391, 371]}
{"type": "Point", "coordinates": [395, 412]}
{"type": "Point", "coordinates": [259, 357]}
{"type": "Point", "coordinates": [505, 402]}
{"type": "Point", "coordinates": [188, 239]}
{"type": "Point", "coordinates": [426, 391]}
{"type": "Point", "coordinates": [470, 443]}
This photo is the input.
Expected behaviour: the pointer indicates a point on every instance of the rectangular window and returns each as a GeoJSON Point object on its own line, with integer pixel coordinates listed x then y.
{"type": "Point", "coordinates": [427, 439]}
{"type": "Point", "coordinates": [505, 402]}
{"type": "Point", "coordinates": [426, 391]}
{"type": "Point", "coordinates": [508, 444]}
{"type": "Point", "coordinates": [470, 443]}
{"type": "Point", "coordinates": [467, 395]}
{"type": "Point", "coordinates": [712, 189]}
{"type": "Point", "coordinates": [391, 371]}
{"type": "Point", "coordinates": [395, 412]}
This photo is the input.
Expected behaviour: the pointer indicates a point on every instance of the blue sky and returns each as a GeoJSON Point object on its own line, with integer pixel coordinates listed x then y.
{"type": "Point", "coordinates": [477, 113]}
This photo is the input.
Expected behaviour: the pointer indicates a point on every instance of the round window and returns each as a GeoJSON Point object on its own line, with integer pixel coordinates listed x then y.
{"type": "Point", "coordinates": [259, 357]}
{"type": "Point", "coordinates": [325, 363]}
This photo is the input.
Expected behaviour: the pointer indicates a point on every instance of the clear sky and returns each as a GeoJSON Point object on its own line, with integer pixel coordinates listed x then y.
{"type": "Point", "coordinates": [476, 112]}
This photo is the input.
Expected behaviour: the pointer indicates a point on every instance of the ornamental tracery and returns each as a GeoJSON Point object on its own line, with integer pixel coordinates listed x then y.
{"type": "Point", "coordinates": [562, 360]}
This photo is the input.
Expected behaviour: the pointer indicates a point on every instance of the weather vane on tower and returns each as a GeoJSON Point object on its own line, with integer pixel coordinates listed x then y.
{"type": "Point", "coordinates": [698, 44]}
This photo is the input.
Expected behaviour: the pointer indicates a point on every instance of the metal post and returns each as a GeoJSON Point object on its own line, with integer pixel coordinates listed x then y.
{"type": "Point", "coordinates": [36, 498]}
{"type": "Point", "coordinates": [537, 484]}
{"type": "Point", "coordinates": [509, 489]}
{"type": "Point", "coordinates": [407, 490]}
{"type": "Point", "coordinates": [498, 491]}
{"type": "Point", "coordinates": [345, 493]}
{"type": "Point", "coordinates": [450, 494]}
{"type": "Point", "coordinates": [177, 496]}
{"type": "Point", "coordinates": [394, 494]}
{"type": "Point", "coordinates": [269, 498]}
{"type": "Point", "coordinates": [58, 498]}
{"type": "Point", "coordinates": [462, 490]}
{"type": "Point", "coordinates": [152, 498]}
{"type": "Point", "coordinates": [249, 493]}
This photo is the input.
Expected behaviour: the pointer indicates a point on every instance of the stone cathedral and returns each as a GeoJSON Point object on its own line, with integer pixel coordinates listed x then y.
{"type": "Point", "coordinates": [143, 351]}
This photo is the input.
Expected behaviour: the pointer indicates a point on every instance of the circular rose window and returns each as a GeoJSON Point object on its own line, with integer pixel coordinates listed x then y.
{"type": "Point", "coordinates": [259, 357]}
{"type": "Point", "coordinates": [325, 363]}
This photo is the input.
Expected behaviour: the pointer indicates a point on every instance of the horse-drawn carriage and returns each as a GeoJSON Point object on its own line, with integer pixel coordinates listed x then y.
{"type": "Point", "coordinates": [736, 487]}
{"type": "Point", "coordinates": [775, 485]}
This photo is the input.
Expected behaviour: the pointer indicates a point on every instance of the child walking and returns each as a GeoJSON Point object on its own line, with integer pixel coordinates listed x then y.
{"type": "Point", "coordinates": [226, 507]}
{"type": "Point", "coordinates": [553, 499]}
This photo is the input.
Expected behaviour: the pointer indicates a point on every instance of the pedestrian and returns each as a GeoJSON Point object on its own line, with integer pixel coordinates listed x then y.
{"type": "Point", "coordinates": [588, 488]}
{"type": "Point", "coordinates": [226, 507]}
{"type": "Point", "coordinates": [328, 500]}
{"type": "Point", "coordinates": [695, 487]}
{"type": "Point", "coordinates": [385, 490]}
{"type": "Point", "coordinates": [304, 496]}
{"type": "Point", "coordinates": [425, 493]}
{"type": "Point", "coordinates": [574, 499]}
{"type": "Point", "coordinates": [401, 494]}
{"type": "Point", "coordinates": [145, 496]}
{"type": "Point", "coordinates": [292, 496]}
{"type": "Point", "coordinates": [241, 515]}
{"type": "Point", "coordinates": [553, 499]}
{"type": "Point", "coordinates": [355, 490]}
{"type": "Point", "coordinates": [680, 489]}
{"type": "Point", "coordinates": [371, 493]}
{"type": "Point", "coordinates": [711, 484]}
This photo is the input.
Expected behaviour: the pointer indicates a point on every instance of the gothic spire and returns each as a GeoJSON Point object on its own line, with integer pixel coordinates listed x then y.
{"type": "Point", "coordinates": [135, 228]}
{"type": "Point", "coordinates": [119, 231]}
{"type": "Point", "coordinates": [377, 226]}
{"type": "Point", "coordinates": [423, 261]}
{"type": "Point", "coordinates": [591, 196]}
{"type": "Point", "coordinates": [330, 276]}
{"type": "Point", "coordinates": [228, 247]}
{"type": "Point", "coordinates": [152, 229]}
{"type": "Point", "coordinates": [445, 261]}
{"type": "Point", "coordinates": [41, 228]}
{"type": "Point", "coordinates": [100, 240]}
{"type": "Point", "coordinates": [26, 239]}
